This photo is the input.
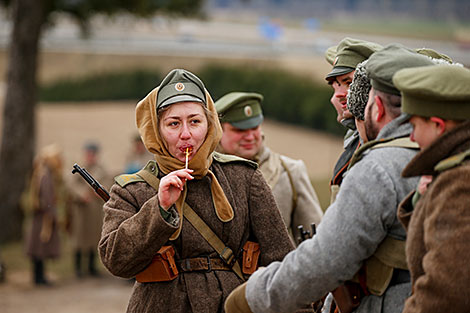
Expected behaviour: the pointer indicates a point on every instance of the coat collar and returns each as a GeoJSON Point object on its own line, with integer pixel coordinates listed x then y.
{"type": "Point", "coordinates": [452, 142]}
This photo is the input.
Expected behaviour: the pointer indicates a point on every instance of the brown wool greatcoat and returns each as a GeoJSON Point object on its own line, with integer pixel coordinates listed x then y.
{"type": "Point", "coordinates": [438, 240]}
{"type": "Point", "coordinates": [44, 216]}
{"type": "Point", "coordinates": [86, 217]}
{"type": "Point", "coordinates": [134, 230]}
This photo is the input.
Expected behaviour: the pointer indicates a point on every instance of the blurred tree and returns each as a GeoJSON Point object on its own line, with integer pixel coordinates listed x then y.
{"type": "Point", "coordinates": [18, 137]}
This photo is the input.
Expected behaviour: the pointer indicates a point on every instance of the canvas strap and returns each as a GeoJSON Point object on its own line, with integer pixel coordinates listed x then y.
{"type": "Point", "coordinates": [225, 253]}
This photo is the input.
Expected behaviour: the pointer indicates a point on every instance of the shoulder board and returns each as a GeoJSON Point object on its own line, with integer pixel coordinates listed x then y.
{"type": "Point", "coordinates": [402, 142]}
{"type": "Point", "coordinates": [452, 161]}
{"type": "Point", "coordinates": [125, 179]}
{"type": "Point", "coordinates": [227, 158]}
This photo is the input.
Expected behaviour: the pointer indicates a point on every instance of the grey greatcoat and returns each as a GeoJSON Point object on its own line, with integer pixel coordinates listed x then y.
{"type": "Point", "coordinates": [363, 214]}
{"type": "Point", "coordinates": [305, 208]}
{"type": "Point", "coordinates": [134, 230]}
{"type": "Point", "coordinates": [438, 246]}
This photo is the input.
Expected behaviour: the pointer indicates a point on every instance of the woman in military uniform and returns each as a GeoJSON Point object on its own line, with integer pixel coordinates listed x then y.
{"type": "Point", "coordinates": [153, 211]}
{"type": "Point", "coordinates": [46, 195]}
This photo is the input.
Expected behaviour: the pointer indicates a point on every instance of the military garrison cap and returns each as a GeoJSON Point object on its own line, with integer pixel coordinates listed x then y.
{"type": "Point", "coordinates": [440, 90]}
{"type": "Point", "coordinates": [349, 53]}
{"type": "Point", "coordinates": [241, 109]}
{"type": "Point", "coordinates": [180, 86]}
{"type": "Point", "coordinates": [382, 65]}
{"type": "Point", "coordinates": [434, 54]}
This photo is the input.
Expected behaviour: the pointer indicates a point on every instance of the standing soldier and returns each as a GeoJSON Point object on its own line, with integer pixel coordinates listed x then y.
{"type": "Point", "coordinates": [137, 157]}
{"type": "Point", "coordinates": [46, 191]}
{"type": "Point", "coordinates": [437, 246]}
{"type": "Point", "coordinates": [360, 242]}
{"type": "Point", "coordinates": [86, 214]}
{"type": "Point", "coordinates": [241, 117]}
{"type": "Point", "coordinates": [344, 58]}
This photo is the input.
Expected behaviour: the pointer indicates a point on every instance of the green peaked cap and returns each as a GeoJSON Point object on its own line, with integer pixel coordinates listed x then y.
{"type": "Point", "coordinates": [383, 64]}
{"type": "Point", "coordinates": [241, 109]}
{"type": "Point", "coordinates": [440, 90]}
{"type": "Point", "coordinates": [349, 53]}
{"type": "Point", "coordinates": [330, 54]}
{"type": "Point", "coordinates": [180, 86]}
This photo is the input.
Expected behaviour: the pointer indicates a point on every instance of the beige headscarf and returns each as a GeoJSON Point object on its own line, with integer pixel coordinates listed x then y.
{"type": "Point", "coordinates": [50, 157]}
{"type": "Point", "coordinates": [146, 119]}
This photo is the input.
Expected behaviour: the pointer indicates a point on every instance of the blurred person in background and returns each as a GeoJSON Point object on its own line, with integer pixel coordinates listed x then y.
{"type": "Point", "coordinates": [137, 157]}
{"type": "Point", "coordinates": [193, 224]}
{"type": "Point", "coordinates": [85, 217]}
{"type": "Point", "coordinates": [241, 116]}
{"type": "Point", "coordinates": [47, 196]}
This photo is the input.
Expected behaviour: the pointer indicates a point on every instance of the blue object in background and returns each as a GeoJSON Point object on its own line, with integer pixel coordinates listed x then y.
{"type": "Point", "coordinates": [312, 24]}
{"type": "Point", "coordinates": [269, 29]}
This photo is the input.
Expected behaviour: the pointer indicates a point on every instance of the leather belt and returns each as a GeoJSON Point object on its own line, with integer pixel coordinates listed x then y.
{"type": "Point", "coordinates": [205, 263]}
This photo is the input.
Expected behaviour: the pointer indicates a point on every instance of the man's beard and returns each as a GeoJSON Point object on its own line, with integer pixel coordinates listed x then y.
{"type": "Point", "coordinates": [372, 131]}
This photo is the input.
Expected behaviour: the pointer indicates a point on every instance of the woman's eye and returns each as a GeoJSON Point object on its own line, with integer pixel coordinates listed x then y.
{"type": "Point", "coordinates": [195, 121]}
{"type": "Point", "coordinates": [174, 123]}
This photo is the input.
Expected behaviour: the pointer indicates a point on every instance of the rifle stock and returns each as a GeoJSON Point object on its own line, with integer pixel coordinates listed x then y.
{"type": "Point", "coordinates": [99, 190]}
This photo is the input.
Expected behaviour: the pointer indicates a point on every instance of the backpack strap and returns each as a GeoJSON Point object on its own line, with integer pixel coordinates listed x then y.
{"type": "Point", "coordinates": [149, 174]}
{"type": "Point", "coordinates": [225, 253]}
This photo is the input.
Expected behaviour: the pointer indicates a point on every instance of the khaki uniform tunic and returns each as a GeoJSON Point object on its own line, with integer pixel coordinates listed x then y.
{"type": "Point", "coordinates": [301, 208]}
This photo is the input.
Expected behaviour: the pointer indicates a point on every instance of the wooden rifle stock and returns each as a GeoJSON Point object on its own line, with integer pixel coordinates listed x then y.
{"type": "Point", "coordinates": [99, 190]}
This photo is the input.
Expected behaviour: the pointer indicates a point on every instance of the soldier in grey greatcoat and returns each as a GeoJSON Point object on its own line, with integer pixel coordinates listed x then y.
{"type": "Point", "coordinates": [360, 238]}
{"type": "Point", "coordinates": [241, 117]}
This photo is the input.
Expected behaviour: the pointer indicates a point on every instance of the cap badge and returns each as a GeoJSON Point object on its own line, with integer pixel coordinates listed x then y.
{"type": "Point", "coordinates": [179, 87]}
{"type": "Point", "coordinates": [248, 111]}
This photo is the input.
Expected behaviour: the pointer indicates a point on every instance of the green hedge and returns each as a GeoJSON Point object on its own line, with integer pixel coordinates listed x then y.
{"type": "Point", "coordinates": [287, 97]}
{"type": "Point", "coordinates": [100, 87]}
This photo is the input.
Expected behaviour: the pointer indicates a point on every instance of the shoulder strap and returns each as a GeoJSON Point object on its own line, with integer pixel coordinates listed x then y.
{"type": "Point", "coordinates": [452, 161]}
{"type": "Point", "coordinates": [401, 142]}
{"type": "Point", "coordinates": [149, 174]}
{"type": "Point", "coordinates": [391, 252]}
{"type": "Point", "coordinates": [225, 253]}
{"type": "Point", "coordinates": [291, 180]}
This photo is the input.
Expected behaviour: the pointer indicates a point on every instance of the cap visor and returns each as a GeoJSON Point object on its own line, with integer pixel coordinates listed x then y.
{"type": "Point", "coordinates": [182, 98]}
{"type": "Point", "coordinates": [249, 123]}
{"type": "Point", "coordinates": [339, 70]}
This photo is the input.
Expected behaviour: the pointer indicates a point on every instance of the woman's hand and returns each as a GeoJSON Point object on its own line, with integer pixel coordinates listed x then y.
{"type": "Point", "coordinates": [171, 186]}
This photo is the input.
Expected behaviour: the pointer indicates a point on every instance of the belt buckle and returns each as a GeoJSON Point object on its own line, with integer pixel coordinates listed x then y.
{"type": "Point", "coordinates": [209, 266]}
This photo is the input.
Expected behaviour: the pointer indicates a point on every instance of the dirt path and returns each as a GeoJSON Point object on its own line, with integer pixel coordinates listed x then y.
{"type": "Point", "coordinates": [104, 295]}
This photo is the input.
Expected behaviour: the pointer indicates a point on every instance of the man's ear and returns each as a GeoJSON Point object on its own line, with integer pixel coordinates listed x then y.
{"type": "Point", "coordinates": [440, 124]}
{"type": "Point", "coordinates": [380, 108]}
